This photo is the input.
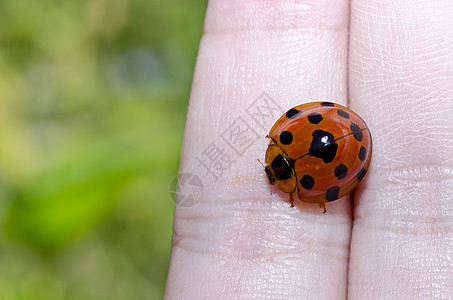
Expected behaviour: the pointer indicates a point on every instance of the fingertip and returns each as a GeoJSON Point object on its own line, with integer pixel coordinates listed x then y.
{"type": "Point", "coordinates": [271, 15]}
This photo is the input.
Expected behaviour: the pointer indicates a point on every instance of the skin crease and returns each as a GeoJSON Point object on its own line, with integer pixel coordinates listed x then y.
{"type": "Point", "coordinates": [393, 61]}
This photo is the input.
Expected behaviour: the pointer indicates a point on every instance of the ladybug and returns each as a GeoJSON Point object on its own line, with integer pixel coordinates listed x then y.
{"type": "Point", "coordinates": [319, 150]}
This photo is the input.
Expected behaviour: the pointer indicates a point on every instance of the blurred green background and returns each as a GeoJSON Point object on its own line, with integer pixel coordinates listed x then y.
{"type": "Point", "coordinates": [93, 97]}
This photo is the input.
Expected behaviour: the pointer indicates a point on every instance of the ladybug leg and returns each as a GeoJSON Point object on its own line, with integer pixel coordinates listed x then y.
{"type": "Point", "coordinates": [323, 206]}
{"type": "Point", "coordinates": [291, 199]}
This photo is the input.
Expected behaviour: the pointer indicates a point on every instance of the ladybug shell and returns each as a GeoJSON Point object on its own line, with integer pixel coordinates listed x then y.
{"type": "Point", "coordinates": [320, 150]}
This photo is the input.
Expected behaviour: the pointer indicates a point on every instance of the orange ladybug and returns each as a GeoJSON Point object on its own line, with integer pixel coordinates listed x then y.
{"type": "Point", "coordinates": [319, 150]}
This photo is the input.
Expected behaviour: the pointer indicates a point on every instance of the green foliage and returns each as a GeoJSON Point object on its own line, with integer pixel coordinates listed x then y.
{"type": "Point", "coordinates": [94, 96]}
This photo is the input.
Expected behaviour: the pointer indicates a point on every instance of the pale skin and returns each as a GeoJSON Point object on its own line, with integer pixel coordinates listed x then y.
{"type": "Point", "coordinates": [392, 63]}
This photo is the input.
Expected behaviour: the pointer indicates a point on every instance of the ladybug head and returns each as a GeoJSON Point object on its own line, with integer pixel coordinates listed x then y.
{"type": "Point", "coordinates": [270, 177]}
{"type": "Point", "coordinates": [280, 169]}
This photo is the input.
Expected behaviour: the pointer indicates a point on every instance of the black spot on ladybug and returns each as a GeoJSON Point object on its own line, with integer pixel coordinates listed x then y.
{"type": "Point", "coordinates": [362, 153]}
{"type": "Point", "coordinates": [314, 118]}
{"type": "Point", "coordinates": [361, 174]}
{"type": "Point", "coordinates": [293, 113]}
{"type": "Point", "coordinates": [270, 177]}
{"type": "Point", "coordinates": [343, 114]}
{"type": "Point", "coordinates": [286, 137]}
{"type": "Point", "coordinates": [332, 193]}
{"type": "Point", "coordinates": [281, 168]}
{"type": "Point", "coordinates": [356, 131]}
{"type": "Point", "coordinates": [341, 171]}
{"type": "Point", "coordinates": [323, 146]}
{"type": "Point", "coordinates": [327, 104]}
{"type": "Point", "coordinates": [307, 182]}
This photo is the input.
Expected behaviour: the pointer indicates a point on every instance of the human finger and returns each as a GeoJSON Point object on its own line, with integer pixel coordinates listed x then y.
{"type": "Point", "coordinates": [239, 239]}
{"type": "Point", "coordinates": [401, 70]}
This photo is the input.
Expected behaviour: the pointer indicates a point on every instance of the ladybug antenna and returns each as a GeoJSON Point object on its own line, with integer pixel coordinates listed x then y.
{"type": "Point", "coordinates": [261, 163]}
